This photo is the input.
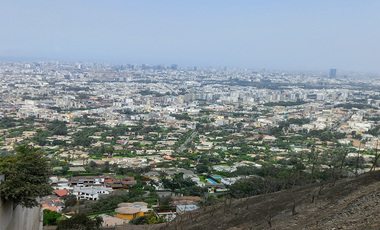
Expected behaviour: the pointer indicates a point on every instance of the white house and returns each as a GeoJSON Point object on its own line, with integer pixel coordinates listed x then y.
{"type": "Point", "coordinates": [90, 193]}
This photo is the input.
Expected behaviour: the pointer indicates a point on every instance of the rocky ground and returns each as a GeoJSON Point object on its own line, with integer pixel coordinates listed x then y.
{"type": "Point", "coordinates": [352, 203]}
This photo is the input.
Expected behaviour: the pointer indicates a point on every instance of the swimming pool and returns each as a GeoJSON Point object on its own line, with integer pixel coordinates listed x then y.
{"type": "Point", "coordinates": [211, 181]}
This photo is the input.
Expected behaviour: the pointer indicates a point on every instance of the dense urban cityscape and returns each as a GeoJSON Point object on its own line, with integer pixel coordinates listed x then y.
{"type": "Point", "coordinates": [145, 144]}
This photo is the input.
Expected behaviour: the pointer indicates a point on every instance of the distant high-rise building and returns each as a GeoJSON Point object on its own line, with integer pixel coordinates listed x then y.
{"type": "Point", "coordinates": [174, 67]}
{"type": "Point", "coordinates": [332, 73]}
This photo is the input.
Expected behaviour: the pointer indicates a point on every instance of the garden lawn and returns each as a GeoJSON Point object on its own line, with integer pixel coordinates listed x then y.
{"type": "Point", "coordinates": [202, 178]}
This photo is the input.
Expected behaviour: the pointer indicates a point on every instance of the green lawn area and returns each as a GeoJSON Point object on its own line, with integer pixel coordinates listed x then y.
{"type": "Point", "coordinates": [95, 215]}
{"type": "Point", "coordinates": [96, 156]}
{"type": "Point", "coordinates": [224, 164]}
{"type": "Point", "coordinates": [202, 178]}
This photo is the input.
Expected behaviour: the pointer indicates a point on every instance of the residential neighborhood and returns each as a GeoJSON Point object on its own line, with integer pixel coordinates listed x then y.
{"type": "Point", "coordinates": [132, 142]}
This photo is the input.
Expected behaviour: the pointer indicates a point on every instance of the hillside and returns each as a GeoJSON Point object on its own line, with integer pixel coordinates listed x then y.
{"type": "Point", "coordinates": [352, 203]}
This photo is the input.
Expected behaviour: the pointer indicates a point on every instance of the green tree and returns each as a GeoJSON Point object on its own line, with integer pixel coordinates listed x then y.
{"type": "Point", "coordinates": [70, 200]}
{"type": "Point", "coordinates": [106, 167]}
{"type": "Point", "coordinates": [93, 165]}
{"type": "Point", "coordinates": [26, 176]}
{"type": "Point", "coordinates": [165, 201]}
{"type": "Point", "coordinates": [80, 221]}
{"type": "Point", "coordinates": [51, 217]}
{"type": "Point", "coordinates": [58, 127]}
{"type": "Point", "coordinates": [150, 219]}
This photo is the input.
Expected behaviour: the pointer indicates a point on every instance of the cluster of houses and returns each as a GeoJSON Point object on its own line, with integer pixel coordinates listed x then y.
{"type": "Point", "coordinates": [96, 187]}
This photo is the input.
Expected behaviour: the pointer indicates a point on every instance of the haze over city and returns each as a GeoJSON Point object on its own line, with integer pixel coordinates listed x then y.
{"type": "Point", "coordinates": [290, 35]}
{"type": "Point", "coordinates": [166, 115]}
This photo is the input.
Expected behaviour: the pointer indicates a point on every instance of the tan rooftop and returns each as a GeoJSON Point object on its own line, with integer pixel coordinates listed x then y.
{"type": "Point", "coordinates": [132, 204]}
{"type": "Point", "coordinates": [127, 210]}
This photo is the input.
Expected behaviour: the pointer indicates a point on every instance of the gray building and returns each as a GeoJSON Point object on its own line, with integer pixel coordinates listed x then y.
{"type": "Point", "coordinates": [332, 73]}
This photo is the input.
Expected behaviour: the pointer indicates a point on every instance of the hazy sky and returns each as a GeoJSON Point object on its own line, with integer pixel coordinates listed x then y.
{"type": "Point", "coordinates": [283, 34]}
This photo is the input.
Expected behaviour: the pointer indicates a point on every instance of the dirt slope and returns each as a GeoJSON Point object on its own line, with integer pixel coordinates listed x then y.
{"type": "Point", "coordinates": [352, 203]}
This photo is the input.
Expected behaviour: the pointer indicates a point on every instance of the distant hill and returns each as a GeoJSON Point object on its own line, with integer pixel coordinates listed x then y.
{"type": "Point", "coordinates": [352, 203]}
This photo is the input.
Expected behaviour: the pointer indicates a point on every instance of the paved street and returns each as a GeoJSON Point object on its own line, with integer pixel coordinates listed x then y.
{"type": "Point", "coordinates": [183, 146]}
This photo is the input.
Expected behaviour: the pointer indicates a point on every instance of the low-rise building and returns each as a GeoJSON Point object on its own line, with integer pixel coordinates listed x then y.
{"type": "Point", "coordinates": [132, 210]}
{"type": "Point", "coordinates": [90, 193]}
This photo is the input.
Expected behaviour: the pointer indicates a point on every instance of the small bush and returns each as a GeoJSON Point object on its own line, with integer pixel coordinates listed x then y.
{"type": "Point", "coordinates": [51, 217]}
{"type": "Point", "coordinates": [139, 220]}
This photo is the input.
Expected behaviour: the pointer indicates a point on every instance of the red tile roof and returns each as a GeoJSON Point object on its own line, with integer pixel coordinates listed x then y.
{"type": "Point", "coordinates": [60, 192]}
{"type": "Point", "coordinates": [52, 208]}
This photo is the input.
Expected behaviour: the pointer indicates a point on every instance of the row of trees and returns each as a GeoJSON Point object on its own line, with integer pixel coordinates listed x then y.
{"type": "Point", "coordinates": [10, 122]}
{"type": "Point", "coordinates": [78, 221]}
